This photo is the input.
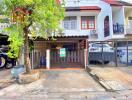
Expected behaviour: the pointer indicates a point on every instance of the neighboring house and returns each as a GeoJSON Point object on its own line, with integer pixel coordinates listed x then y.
{"type": "Point", "coordinates": [4, 22]}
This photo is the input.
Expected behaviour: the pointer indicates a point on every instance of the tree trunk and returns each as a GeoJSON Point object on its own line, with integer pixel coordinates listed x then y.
{"type": "Point", "coordinates": [26, 51]}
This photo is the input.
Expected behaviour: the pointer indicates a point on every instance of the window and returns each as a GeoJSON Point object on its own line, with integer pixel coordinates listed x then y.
{"type": "Point", "coordinates": [70, 23]}
{"type": "Point", "coordinates": [106, 26]}
{"type": "Point", "coordinates": [129, 22]}
{"type": "Point", "coordinates": [129, 18]}
{"type": "Point", "coordinates": [87, 22]}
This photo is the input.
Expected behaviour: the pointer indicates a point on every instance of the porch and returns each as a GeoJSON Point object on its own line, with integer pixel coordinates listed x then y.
{"type": "Point", "coordinates": [63, 52]}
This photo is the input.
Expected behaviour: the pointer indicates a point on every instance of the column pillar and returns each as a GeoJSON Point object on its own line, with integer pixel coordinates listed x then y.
{"type": "Point", "coordinates": [48, 59]}
{"type": "Point", "coordinates": [85, 58]}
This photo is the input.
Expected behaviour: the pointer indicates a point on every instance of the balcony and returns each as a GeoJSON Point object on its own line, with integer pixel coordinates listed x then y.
{"type": "Point", "coordinates": [118, 29]}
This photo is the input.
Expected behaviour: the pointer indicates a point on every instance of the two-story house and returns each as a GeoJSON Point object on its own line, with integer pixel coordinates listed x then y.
{"type": "Point", "coordinates": [85, 20]}
{"type": "Point", "coordinates": [99, 19]}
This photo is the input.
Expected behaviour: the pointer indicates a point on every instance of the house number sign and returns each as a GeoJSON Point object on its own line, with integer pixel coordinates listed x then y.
{"type": "Point", "coordinates": [62, 52]}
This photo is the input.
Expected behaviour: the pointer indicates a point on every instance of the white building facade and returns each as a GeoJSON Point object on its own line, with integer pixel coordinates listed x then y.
{"type": "Point", "coordinates": [99, 19]}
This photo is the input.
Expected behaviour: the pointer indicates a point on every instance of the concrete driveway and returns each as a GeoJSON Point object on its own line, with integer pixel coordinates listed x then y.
{"type": "Point", "coordinates": [116, 78]}
{"type": "Point", "coordinates": [62, 85]}
{"type": "Point", "coordinates": [69, 80]}
{"type": "Point", "coordinates": [56, 81]}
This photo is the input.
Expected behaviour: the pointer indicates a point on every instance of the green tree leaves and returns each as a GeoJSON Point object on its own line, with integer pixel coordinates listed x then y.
{"type": "Point", "coordinates": [16, 40]}
{"type": "Point", "coordinates": [43, 19]}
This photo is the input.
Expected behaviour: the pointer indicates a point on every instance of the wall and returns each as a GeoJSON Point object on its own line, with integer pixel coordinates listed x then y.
{"type": "Point", "coordinates": [105, 11]}
{"type": "Point", "coordinates": [118, 17]}
{"type": "Point", "coordinates": [100, 16]}
{"type": "Point", "coordinates": [117, 13]}
{"type": "Point", "coordinates": [78, 31]}
{"type": "Point", "coordinates": [128, 13]}
{"type": "Point", "coordinates": [73, 3]}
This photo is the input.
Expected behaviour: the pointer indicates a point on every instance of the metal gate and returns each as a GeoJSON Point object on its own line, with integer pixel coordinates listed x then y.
{"type": "Point", "coordinates": [110, 53]}
{"type": "Point", "coordinates": [72, 57]}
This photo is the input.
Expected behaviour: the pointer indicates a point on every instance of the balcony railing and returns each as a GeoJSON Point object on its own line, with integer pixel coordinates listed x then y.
{"type": "Point", "coordinates": [118, 29]}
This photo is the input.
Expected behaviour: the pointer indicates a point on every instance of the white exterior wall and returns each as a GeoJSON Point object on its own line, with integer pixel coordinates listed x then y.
{"type": "Point", "coordinates": [118, 15]}
{"type": "Point", "coordinates": [99, 17]}
{"type": "Point", "coordinates": [75, 3]}
{"type": "Point", "coordinates": [78, 31]}
{"type": "Point", "coordinates": [105, 11]}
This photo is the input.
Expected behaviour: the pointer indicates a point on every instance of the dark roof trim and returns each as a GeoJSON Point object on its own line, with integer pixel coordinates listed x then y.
{"type": "Point", "coordinates": [125, 3]}
{"type": "Point", "coordinates": [83, 8]}
{"type": "Point", "coordinates": [58, 37]}
{"type": "Point", "coordinates": [117, 3]}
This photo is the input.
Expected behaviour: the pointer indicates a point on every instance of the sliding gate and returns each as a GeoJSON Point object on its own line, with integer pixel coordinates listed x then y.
{"type": "Point", "coordinates": [67, 59]}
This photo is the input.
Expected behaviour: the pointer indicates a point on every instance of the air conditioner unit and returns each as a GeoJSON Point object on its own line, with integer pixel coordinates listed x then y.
{"type": "Point", "coordinates": [93, 32]}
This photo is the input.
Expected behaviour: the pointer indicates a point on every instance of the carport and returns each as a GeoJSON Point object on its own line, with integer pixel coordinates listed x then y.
{"type": "Point", "coordinates": [63, 52]}
{"type": "Point", "coordinates": [121, 55]}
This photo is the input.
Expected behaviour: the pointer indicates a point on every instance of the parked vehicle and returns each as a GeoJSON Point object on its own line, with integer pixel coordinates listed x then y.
{"type": "Point", "coordinates": [103, 53]}
{"type": "Point", "coordinates": [97, 47]}
{"type": "Point", "coordinates": [5, 61]}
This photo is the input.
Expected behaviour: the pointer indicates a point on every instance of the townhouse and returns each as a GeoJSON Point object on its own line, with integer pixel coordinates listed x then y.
{"type": "Point", "coordinates": [85, 20]}
{"type": "Point", "coordinates": [99, 19]}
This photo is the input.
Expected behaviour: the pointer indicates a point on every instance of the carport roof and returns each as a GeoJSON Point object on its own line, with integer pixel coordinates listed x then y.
{"type": "Point", "coordinates": [62, 37]}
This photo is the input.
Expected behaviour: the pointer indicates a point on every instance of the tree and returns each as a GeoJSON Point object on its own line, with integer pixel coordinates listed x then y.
{"type": "Point", "coordinates": [30, 17]}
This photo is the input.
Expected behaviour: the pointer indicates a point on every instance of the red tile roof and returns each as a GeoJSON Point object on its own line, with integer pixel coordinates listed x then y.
{"type": "Point", "coordinates": [113, 2]}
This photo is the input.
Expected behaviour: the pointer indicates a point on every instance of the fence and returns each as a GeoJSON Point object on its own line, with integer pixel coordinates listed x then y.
{"type": "Point", "coordinates": [110, 53]}
{"type": "Point", "coordinates": [72, 56]}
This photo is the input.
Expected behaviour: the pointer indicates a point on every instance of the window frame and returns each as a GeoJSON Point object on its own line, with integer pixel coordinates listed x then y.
{"type": "Point", "coordinates": [70, 22]}
{"type": "Point", "coordinates": [87, 21]}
